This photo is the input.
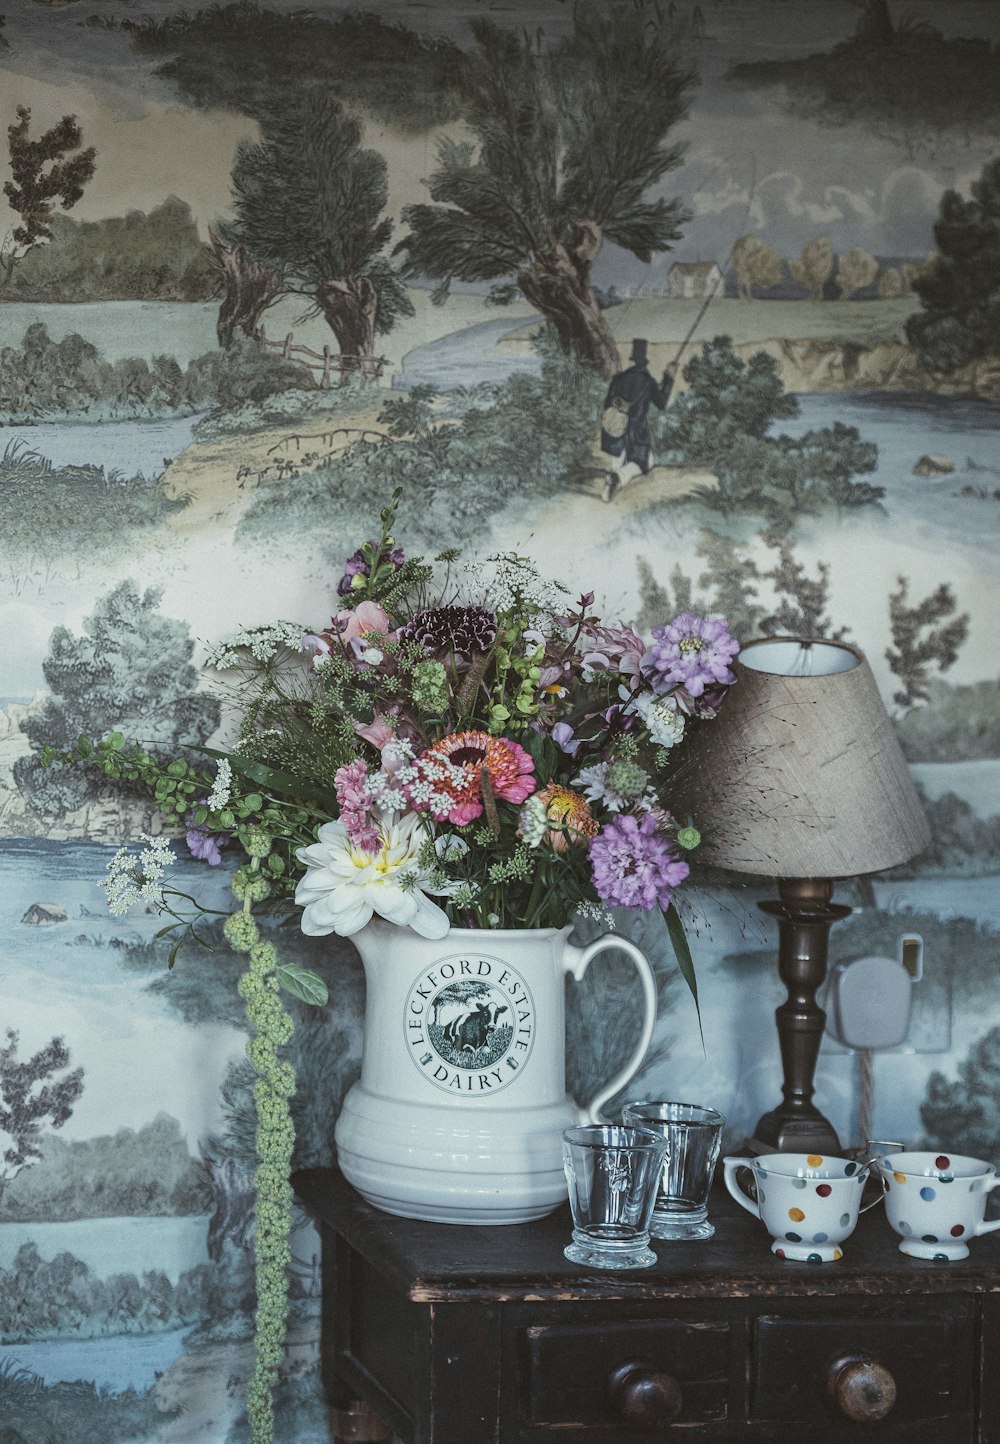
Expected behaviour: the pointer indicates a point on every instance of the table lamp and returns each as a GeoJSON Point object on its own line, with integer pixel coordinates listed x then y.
{"type": "Point", "coordinates": [801, 778]}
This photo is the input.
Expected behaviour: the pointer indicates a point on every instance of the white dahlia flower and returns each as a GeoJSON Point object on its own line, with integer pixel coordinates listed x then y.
{"type": "Point", "coordinates": [344, 885]}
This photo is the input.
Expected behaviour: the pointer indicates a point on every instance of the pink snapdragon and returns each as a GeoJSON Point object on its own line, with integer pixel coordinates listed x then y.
{"type": "Point", "coordinates": [356, 631]}
{"type": "Point", "coordinates": [354, 803]}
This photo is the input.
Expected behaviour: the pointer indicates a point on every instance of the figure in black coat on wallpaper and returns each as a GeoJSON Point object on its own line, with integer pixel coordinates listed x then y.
{"type": "Point", "coordinates": [625, 420]}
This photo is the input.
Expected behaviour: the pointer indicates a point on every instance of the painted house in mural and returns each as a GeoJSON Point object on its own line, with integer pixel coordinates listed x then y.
{"type": "Point", "coordinates": [164, 482]}
{"type": "Point", "coordinates": [692, 280]}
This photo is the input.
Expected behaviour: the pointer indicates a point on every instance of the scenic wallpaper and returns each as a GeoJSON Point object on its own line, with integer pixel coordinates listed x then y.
{"type": "Point", "coordinates": [262, 263]}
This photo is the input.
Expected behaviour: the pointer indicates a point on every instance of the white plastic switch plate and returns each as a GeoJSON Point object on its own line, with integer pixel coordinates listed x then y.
{"type": "Point", "coordinates": [868, 1003]}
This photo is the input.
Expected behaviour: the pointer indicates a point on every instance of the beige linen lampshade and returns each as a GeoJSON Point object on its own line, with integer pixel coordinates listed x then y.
{"type": "Point", "coordinates": [801, 775]}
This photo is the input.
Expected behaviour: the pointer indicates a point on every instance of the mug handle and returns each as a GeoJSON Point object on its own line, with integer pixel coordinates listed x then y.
{"type": "Point", "coordinates": [994, 1224]}
{"type": "Point", "coordinates": [729, 1167]}
{"type": "Point", "coordinates": [576, 961]}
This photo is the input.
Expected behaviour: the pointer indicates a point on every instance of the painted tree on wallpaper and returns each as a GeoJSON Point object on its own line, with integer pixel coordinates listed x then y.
{"type": "Point", "coordinates": [960, 317]}
{"type": "Point", "coordinates": [31, 1094]}
{"type": "Point", "coordinates": [567, 145]}
{"type": "Point", "coordinates": [498, 203]}
{"type": "Point", "coordinates": [33, 190]}
{"type": "Point", "coordinates": [308, 208]}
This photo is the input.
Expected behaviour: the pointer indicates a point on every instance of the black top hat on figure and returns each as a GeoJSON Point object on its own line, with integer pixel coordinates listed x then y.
{"type": "Point", "coordinates": [640, 355]}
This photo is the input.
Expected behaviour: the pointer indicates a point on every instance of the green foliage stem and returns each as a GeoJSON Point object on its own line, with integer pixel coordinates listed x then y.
{"type": "Point", "coordinates": [275, 1138]}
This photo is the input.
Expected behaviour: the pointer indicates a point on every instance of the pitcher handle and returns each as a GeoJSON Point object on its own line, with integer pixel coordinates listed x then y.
{"type": "Point", "coordinates": [576, 961]}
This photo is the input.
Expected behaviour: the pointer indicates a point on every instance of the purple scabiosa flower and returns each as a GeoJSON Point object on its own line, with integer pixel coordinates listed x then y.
{"type": "Point", "coordinates": [204, 845]}
{"type": "Point", "coordinates": [692, 653]}
{"type": "Point", "coordinates": [634, 867]}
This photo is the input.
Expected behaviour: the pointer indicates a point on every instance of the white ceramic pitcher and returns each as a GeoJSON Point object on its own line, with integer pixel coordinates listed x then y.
{"type": "Point", "coordinates": [458, 1114]}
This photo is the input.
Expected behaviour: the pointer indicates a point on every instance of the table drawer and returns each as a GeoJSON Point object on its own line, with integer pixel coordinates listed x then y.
{"type": "Point", "coordinates": [794, 1362]}
{"type": "Point", "coordinates": [571, 1371]}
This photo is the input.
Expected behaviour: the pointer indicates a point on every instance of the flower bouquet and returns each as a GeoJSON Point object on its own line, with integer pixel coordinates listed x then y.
{"type": "Point", "coordinates": [462, 744]}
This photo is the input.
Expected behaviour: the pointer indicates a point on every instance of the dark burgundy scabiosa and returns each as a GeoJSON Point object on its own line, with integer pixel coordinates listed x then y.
{"type": "Point", "coordinates": [441, 631]}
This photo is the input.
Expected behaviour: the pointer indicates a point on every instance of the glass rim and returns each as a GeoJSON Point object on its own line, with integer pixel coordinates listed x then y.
{"type": "Point", "coordinates": [707, 1116]}
{"type": "Point", "coordinates": [587, 1135]}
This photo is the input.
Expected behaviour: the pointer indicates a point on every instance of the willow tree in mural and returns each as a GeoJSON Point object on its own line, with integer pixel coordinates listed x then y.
{"type": "Point", "coordinates": [309, 219]}
{"type": "Point", "coordinates": [569, 144]}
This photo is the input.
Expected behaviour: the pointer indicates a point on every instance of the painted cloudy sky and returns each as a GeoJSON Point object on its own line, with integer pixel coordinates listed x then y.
{"type": "Point", "coordinates": [858, 184]}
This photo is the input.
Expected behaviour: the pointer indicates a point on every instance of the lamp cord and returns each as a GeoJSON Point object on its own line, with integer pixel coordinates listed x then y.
{"type": "Point", "coordinates": [866, 1087]}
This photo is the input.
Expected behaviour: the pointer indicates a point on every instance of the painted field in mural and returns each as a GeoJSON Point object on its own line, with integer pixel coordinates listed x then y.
{"type": "Point", "coordinates": [262, 263]}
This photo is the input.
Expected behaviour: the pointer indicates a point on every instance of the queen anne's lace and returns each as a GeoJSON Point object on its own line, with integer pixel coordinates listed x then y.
{"type": "Point", "coordinates": [135, 878]}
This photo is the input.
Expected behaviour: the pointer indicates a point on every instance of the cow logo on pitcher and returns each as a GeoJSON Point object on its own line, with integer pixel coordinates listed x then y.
{"type": "Point", "coordinates": [470, 1024]}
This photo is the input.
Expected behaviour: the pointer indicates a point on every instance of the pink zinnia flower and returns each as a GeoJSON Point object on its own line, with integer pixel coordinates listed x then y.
{"type": "Point", "coordinates": [690, 652]}
{"type": "Point", "coordinates": [634, 867]}
{"type": "Point", "coordinates": [448, 776]}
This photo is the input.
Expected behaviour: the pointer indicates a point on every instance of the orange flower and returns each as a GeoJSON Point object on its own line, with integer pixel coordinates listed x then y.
{"type": "Point", "coordinates": [571, 814]}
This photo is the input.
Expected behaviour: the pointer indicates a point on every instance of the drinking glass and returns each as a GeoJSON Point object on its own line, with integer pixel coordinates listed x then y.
{"type": "Point", "coordinates": [612, 1172]}
{"type": "Point", "coordinates": [693, 1136]}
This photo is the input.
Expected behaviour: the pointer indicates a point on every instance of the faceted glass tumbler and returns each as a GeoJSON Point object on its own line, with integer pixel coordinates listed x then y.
{"type": "Point", "coordinates": [693, 1138]}
{"type": "Point", "coordinates": [612, 1172]}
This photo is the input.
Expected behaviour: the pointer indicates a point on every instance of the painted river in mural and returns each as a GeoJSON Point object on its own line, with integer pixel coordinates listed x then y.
{"type": "Point", "coordinates": [116, 1363]}
{"type": "Point", "coordinates": [962, 504]}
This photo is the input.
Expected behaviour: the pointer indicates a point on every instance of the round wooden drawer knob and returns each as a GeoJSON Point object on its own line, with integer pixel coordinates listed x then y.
{"type": "Point", "coordinates": [861, 1387]}
{"type": "Point", "coordinates": [647, 1398]}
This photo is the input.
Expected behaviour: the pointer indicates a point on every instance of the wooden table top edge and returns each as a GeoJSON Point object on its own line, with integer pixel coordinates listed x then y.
{"type": "Point", "coordinates": [684, 1271]}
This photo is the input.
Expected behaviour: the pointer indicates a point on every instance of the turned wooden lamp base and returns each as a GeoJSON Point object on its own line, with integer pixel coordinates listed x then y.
{"type": "Point", "coordinates": [805, 915]}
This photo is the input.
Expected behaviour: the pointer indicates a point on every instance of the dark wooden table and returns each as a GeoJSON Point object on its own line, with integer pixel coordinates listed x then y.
{"type": "Point", "coordinates": [460, 1335]}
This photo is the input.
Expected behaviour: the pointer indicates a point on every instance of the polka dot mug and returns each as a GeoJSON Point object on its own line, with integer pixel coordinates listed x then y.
{"type": "Point", "coordinates": [808, 1203]}
{"type": "Point", "coordinates": [936, 1202]}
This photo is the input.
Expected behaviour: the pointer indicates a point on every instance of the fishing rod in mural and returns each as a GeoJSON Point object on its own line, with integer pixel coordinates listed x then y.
{"type": "Point", "coordinates": [625, 434]}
